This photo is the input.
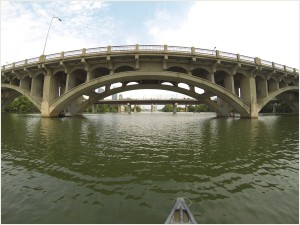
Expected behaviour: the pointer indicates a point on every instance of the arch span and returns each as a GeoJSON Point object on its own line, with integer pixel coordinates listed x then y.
{"type": "Point", "coordinates": [26, 93]}
{"type": "Point", "coordinates": [201, 97]}
{"type": "Point", "coordinates": [166, 76]}
{"type": "Point", "coordinates": [274, 94]}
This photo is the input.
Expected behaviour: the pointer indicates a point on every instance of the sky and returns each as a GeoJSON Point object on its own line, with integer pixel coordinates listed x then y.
{"type": "Point", "coordinates": [265, 29]}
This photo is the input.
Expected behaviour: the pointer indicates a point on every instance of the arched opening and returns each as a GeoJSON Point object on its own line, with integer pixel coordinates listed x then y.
{"type": "Point", "coordinates": [15, 82]}
{"type": "Point", "coordinates": [5, 80]}
{"type": "Point", "coordinates": [184, 86]}
{"type": "Point", "coordinates": [115, 85]}
{"type": "Point", "coordinates": [37, 85]}
{"type": "Point", "coordinates": [177, 69]}
{"type": "Point", "coordinates": [240, 84]}
{"type": "Point", "coordinates": [282, 84]}
{"type": "Point", "coordinates": [261, 87]}
{"type": "Point", "coordinates": [202, 73]}
{"type": "Point", "coordinates": [132, 83]}
{"type": "Point", "coordinates": [26, 83]}
{"type": "Point", "coordinates": [99, 72]}
{"type": "Point", "coordinates": [167, 83]}
{"type": "Point", "coordinates": [124, 69]}
{"type": "Point", "coordinates": [60, 79]}
{"type": "Point", "coordinates": [199, 90]}
{"type": "Point", "coordinates": [220, 77]}
{"type": "Point", "coordinates": [272, 85]}
{"type": "Point", "coordinates": [76, 78]}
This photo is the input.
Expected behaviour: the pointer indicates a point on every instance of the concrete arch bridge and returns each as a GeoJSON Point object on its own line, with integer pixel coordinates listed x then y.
{"type": "Point", "coordinates": [57, 82]}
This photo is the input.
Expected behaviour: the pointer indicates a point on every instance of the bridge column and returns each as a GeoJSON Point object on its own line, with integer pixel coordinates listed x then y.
{"type": "Point", "coordinates": [94, 109]}
{"type": "Point", "coordinates": [36, 87]}
{"type": "Point", "coordinates": [226, 108]}
{"type": "Point", "coordinates": [48, 94]}
{"type": "Point", "coordinates": [134, 108]}
{"type": "Point", "coordinates": [152, 108]}
{"type": "Point", "coordinates": [211, 77]}
{"type": "Point", "coordinates": [174, 108]}
{"type": "Point", "coordinates": [262, 88]}
{"type": "Point", "coordinates": [229, 83]}
{"type": "Point", "coordinates": [129, 108]}
{"type": "Point", "coordinates": [248, 93]}
{"type": "Point", "coordinates": [119, 108]}
{"type": "Point", "coordinates": [272, 85]}
{"type": "Point", "coordinates": [70, 82]}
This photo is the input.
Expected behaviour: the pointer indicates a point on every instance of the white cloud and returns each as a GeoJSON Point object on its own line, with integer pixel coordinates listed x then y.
{"type": "Point", "coordinates": [24, 27]}
{"type": "Point", "coordinates": [265, 29]}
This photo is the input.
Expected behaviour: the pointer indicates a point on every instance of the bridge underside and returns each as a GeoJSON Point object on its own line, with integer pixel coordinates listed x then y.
{"type": "Point", "coordinates": [74, 103]}
{"type": "Point", "coordinates": [236, 84]}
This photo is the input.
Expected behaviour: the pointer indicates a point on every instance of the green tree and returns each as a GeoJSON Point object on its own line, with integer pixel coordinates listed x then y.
{"type": "Point", "coordinates": [21, 105]}
{"type": "Point", "coordinates": [201, 108]}
{"type": "Point", "coordinates": [167, 108]}
{"type": "Point", "coordinates": [191, 108]}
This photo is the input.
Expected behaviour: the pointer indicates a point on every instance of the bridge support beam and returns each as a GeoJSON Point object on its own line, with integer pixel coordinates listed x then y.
{"type": "Point", "coordinates": [48, 95]}
{"type": "Point", "coordinates": [129, 108]}
{"type": "Point", "coordinates": [94, 110]}
{"type": "Point", "coordinates": [248, 93]}
{"type": "Point", "coordinates": [174, 108]}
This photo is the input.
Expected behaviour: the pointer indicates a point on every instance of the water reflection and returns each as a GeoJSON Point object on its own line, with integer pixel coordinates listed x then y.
{"type": "Point", "coordinates": [135, 165]}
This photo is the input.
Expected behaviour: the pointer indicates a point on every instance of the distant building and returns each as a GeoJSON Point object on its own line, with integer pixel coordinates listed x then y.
{"type": "Point", "coordinates": [99, 90]}
{"type": "Point", "coordinates": [120, 96]}
{"type": "Point", "coordinates": [114, 97]}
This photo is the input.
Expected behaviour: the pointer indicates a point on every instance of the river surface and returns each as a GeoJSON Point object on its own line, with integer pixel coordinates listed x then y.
{"type": "Point", "coordinates": [120, 168]}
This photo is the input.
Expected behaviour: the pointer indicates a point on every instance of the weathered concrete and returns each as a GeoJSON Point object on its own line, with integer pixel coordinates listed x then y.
{"type": "Point", "coordinates": [242, 85]}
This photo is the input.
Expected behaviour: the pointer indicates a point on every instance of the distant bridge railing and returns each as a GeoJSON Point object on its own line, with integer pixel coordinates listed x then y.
{"type": "Point", "coordinates": [151, 49]}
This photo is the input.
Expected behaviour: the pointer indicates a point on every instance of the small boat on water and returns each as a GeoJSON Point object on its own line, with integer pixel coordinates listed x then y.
{"type": "Point", "coordinates": [180, 213]}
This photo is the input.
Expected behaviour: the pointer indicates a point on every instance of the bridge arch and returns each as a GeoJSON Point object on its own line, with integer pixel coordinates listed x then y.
{"type": "Point", "coordinates": [17, 91]}
{"type": "Point", "coordinates": [211, 104]}
{"type": "Point", "coordinates": [25, 83]}
{"type": "Point", "coordinates": [76, 78]}
{"type": "Point", "coordinates": [123, 68]}
{"type": "Point", "coordinates": [238, 104]}
{"type": "Point", "coordinates": [202, 73]}
{"type": "Point", "coordinates": [274, 94]}
{"type": "Point", "coordinates": [99, 72]}
{"type": "Point", "coordinates": [15, 81]}
{"type": "Point", "coordinates": [177, 69]}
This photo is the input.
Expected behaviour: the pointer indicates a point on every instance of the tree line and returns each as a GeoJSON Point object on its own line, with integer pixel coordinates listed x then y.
{"type": "Point", "coordinates": [190, 108]}
{"type": "Point", "coordinates": [23, 105]}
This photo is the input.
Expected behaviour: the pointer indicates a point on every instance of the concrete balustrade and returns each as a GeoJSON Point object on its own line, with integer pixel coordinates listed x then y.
{"type": "Point", "coordinates": [241, 83]}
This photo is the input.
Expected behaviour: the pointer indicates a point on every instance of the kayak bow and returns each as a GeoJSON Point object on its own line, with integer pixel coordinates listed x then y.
{"type": "Point", "coordinates": [180, 213]}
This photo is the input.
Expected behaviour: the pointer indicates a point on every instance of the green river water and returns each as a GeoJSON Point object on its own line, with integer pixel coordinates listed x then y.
{"type": "Point", "coordinates": [120, 168]}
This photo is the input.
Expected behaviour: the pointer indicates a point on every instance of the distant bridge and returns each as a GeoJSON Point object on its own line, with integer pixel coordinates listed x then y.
{"type": "Point", "coordinates": [150, 102]}
{"type": "Point", "coordinates": [58, 81]}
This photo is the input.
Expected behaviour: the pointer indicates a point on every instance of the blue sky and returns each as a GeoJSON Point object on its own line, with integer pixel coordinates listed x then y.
{"type": "Point", "coordinates": [265, 29]}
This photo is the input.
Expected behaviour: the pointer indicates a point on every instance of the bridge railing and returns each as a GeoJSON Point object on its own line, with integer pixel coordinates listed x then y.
{"type": "Point", "coordinates": [99, 50]}
{"type": "Point", "coordinates": [247, 58]}
{"type": "Point", "coordinates": [202, 51]}
{"type": "Point", "coordinates": [179, 49]}
{"type": "Point", "coordinates": [228, 55]}
{"type": "Point", "coordinates": [152, 49]}
{"type": "Point", "coordinates": [266, 63]}
{"type": "Point", "coordinates": [126, 48]}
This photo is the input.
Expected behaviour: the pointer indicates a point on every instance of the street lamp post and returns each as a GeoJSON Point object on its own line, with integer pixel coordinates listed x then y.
{"type": "Point", "coordinates": [53, 17]}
